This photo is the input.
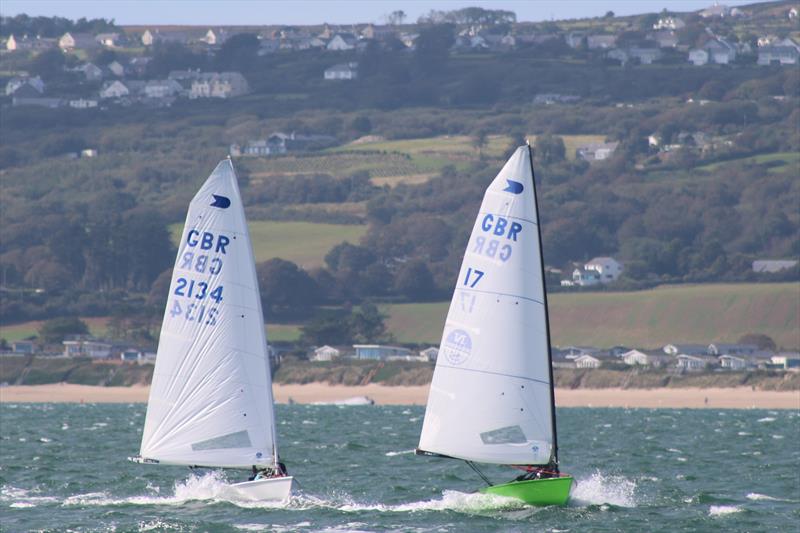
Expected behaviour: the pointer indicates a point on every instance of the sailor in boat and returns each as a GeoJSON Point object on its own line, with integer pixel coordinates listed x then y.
{"type": "Point", "coordinates": [538, 472]}
{"type": "Point", "coordinates": [268, 473]}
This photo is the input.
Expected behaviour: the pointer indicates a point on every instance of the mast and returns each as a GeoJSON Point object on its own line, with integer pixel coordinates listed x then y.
{"type": "Point", "coordinates": [546, 308]}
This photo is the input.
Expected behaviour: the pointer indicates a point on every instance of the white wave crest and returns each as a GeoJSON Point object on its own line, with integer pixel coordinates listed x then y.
{"type": "Point", "coordinates": [393, 454]}
{"type": "Point", "coordinates": [766, 419]}
{"type": "Point", "coordinates": [599, 489]}
{"type": "Point", "coordinates": [755, 496]}
{"type": "Point", "coordinates": [722, 510]}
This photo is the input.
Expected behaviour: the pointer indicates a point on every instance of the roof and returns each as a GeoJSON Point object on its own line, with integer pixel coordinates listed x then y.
{"type": "Point", "coordinates": [773, 265]}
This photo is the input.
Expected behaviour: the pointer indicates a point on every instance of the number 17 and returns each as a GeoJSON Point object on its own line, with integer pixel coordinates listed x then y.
{"type": "Point", "coordinates": [478, 276]}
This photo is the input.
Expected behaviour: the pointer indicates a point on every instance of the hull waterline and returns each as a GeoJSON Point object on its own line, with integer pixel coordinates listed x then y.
{"type": "Point", "coordinates": [549, 491]}
{"type": "Point", "coordinates": [272, 489]}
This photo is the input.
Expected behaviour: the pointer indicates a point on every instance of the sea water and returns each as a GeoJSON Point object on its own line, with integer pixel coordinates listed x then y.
{"type": "Point", "coordinates": [63, 468]}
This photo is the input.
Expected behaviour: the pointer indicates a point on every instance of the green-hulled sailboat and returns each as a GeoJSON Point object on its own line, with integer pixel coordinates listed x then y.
{"type": "Point", "coordinates": [491, 400]}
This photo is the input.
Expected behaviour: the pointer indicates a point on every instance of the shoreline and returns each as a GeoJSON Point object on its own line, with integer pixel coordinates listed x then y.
{"type": "Point", "coordinates": [713, 398]}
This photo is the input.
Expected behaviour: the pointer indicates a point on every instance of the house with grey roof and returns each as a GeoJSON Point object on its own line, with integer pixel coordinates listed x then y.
{"type": "Point", "coordinates": [342, 71]}
{"type": "Point", "coordinates": [771, 266]}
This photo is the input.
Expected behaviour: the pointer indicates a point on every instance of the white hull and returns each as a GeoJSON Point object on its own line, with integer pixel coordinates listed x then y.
{"type": "Point", "coordinates": [272, 489]}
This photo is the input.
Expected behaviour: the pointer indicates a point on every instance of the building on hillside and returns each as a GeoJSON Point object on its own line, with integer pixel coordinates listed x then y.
{"type": "Point", "coordinates": [380, 352]}
{"type": "Point", "coordinates": [601, 42]}
{"type": "Point", "coordinates": [24, 347]}
{"type": "Point", "coordinates": [430, 354]}
{"type": "Point", "coordinates": [608, 268]}
{"type": "Point", "coordinates": [116, 68]}
{"type": "Point", "coordinates": [771, 266]}
{"type": "Point", "coordinates": [587, 361]}
{"type": "Point", "coordinates": [669, 23]}
{"type": "Point", "coordinates": [698, 57]}
{"type": "Point", "coordinates": [81, 41]}
{"type": "Point", "coordinates": [732, 349]}
{"type": "Point", "coordinates": [82, 103]}
{"type": "Point", "coordinates": [734, 362]}
{"type": "Point", "coordinates": [787, 360]}
{"type": "Point", "coordinates": [114, 89]}
{"type": "Point", "coordinates": [17, 83]}
{"type": "Point", "coordinates": [592, 152]}
{"type": "Point", "coordinates": [694, 363]}
{"type": "Point", "coordinates": [716, 10]}
{"type": "Point", "coordinates": [91, 71]}
{"type": "Point", "coordinates": [688, 349]}
{"type": "Point", "coordinates": [109, 40]}
{"type": "Point", "coordinates": [218, 85]}
{"type": "Point", "coordinates": [87, 348]}
{"type": "Point", "coordinates": [325, 353]}
{"type": "Point", "coordinates": [787, 52]}
{"type": "Point", "coordinates": [645, 56]}
{"type": "Point", "coordinates": [665, 38]}
{"type": "Point", "coordinates": [341, 42]}
{"type": "Point", "coordinates": [342, 71]}
{"type": "Point", "coordinates": [131, 355]}
{"type": "Point", "coordinates": [162, 88]}
{"type": "Point", "coordinates": [649, 359]}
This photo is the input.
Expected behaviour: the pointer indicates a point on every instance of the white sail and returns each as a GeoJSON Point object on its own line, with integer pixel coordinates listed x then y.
{"type": "Point", "coordinates": [490, 399]}
{"type": "Point", "coordinates": [211, 397]}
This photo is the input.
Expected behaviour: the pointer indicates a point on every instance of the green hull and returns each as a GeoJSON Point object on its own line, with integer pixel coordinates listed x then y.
{"type": "Point", "coordinates": [550, 491]}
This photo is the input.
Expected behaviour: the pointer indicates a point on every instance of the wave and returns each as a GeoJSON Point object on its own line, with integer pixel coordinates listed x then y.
{"type": "Point", "coordinates": [755, 496]}
{"type": "Point", "coordinates": [393, 454]}
{"type": "Point", "coordinates": [602, 489]}
{"type": "Point", "coordinates": [722, 510]}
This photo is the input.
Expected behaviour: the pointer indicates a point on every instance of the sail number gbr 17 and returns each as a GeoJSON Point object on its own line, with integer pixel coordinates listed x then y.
{"type": "Point", "coordinates": [194, 300]}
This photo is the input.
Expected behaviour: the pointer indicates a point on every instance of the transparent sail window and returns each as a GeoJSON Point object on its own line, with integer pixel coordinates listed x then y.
{"type": "Point", "coordinates": [506, 435]}
{"type": "Point", "coordinates": [240, 439]}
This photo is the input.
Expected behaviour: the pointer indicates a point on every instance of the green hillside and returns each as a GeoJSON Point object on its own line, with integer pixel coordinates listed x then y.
{"type": "Point", "coordinates": [652, 318]}
{"type": "Point", "coordinates": [304, 243]}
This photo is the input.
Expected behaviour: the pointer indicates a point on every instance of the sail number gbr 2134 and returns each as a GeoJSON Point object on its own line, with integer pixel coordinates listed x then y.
{"type": "Point", "coordinates": [195, 300]}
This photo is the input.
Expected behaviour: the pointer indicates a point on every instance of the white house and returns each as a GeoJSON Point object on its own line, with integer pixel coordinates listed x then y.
{"type": "Point", "coordinates": [162, 88]}
{"type": "Point", "coordinates": [732, 362]}
{"type": "Point", "coordinates": [325, 353]}
{"type": "Point", "coordinates": [131, 355]}
{"type": "Point", "coordinates": [114, 89]}
{"type": "Point", "coordinates": [342, 71]}
{"type": "Point", "coordinates": [732, 349]}
{"type": "Point", "coordinates": [608, 268]}
{"type": "Point", "coordinates": [17, 83]}
{"type": "Point", "coordinates": [639, 358]}
{"type": "Point", "coordinates": [770, 266]}
{"type": "Point", "coordinates": [587, 361]}
{"type": "Point", "coordinates": [698, 57]}
{"type": "Point", "coordinates": [789, 361]}
{"type": "Point", "coordinates": [669, 23]}
{"type": "Point", "coordinates": [596, 151]}
{"type": "Point", "coordinates": [430, 354]}
{"type": "Point", "coordinates": [218, 85]}
{"type": "Point", "coordinates": [601, 42]}
{"type": "Point", "coordinates": [109, 40]}
{"type": "Point", "coordinates": [82, 41]}
{"type": "Point", "coordinates": [646, 56]}
{"type": "Point", "coordinates": [91, 71]}
{"type": "Point", "coordinates": [116, 68]}
{"type": "Point", "coordinates": [377, 351]}
{"type": "Point", "coordinates": [720, 51]}
{"type": "Point", "coordinates": [87, 348]}
{"type": "Point", "coordinates": [785, 52]}
{"type": "Point", "coordinates": [341, 42]}
{"type": "Point", "coordinates": [688, 349]}
{"type": "Point", "coordinates": [693, 363]}
{"type": "Point", "coordinates": [82, 103]}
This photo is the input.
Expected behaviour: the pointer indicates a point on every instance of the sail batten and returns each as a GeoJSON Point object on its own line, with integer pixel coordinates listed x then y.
{"type": "Point", "coordinates": [211, 394]}
{"type": "Point", "coordinates": [491, 396]}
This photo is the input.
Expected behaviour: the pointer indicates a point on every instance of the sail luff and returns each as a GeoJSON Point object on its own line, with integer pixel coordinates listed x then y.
{"type": "Point", "coordinates": [546, 309]}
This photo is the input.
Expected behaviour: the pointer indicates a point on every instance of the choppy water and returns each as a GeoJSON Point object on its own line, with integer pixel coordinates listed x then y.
{"type": "Point", "coordinates": [63, 467]}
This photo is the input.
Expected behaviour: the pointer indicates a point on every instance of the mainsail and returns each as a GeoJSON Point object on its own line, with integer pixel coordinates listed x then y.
{"type": "Point", "coordinates": [491, 399]}
{"type": "Point", "coordinates": [211, 396]}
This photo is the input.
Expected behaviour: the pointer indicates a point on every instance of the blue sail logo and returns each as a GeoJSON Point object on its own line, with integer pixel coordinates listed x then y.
{"type": "Point", "coordinates": [223, 202]}
{"type": "Point", "coordinates": [514, 187]}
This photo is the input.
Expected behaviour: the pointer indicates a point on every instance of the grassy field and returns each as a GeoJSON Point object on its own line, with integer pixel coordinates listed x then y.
{"type": "Point", "coordinates": [649, 319]}
{"type": "Point", "coordinates": [394, 162]}
{"type": "Point", "coordinates": [304, 243]}
{"type": "Point", "coordinates": [778, 161]}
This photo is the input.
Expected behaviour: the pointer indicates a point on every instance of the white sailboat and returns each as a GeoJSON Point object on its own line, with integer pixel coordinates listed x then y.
{"type": "Point", "coordinates": [211, 401]}
{"type": "Point", "coordinates": [491, 399]}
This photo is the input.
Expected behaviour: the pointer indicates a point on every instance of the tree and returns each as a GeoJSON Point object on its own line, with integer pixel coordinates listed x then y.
{"type": "Point", "coordinates": [57, 329]}
{"type": "Point", "coordinates": [396, 18]}
{"type": "Point", "coordinates": [285, 287]}
{"type": "Point", "coordinates": [479, 141]}
{"type": "Point", "coordinates": [329, 327]}
{"type": "Point", "coordinates": [361, 124]}
{"type": "Point", "coordinates": [49, 64]}
{"type": "Point", "coordinates": [764, 342]}
{"type": "Point", "coordinates": [238, 53]}
{"type": "Point", "coordinates": [549, 149]}
{"type": "Point", "coordinates": [414, 281]}
{"type": "Point", "coordinates": [609, 15]}
{"type": "Point", "coordinates": [367, 325]}
{"type": "Point", "coordinates": [433, 47]}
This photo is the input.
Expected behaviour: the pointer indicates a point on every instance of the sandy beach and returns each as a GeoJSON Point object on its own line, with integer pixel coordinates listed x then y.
{"type": "Point", "coordinates": [730, 398]}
